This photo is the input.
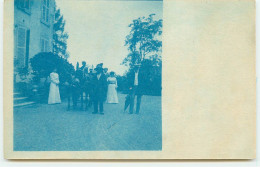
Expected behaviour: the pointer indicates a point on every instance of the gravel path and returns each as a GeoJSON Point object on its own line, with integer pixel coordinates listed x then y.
{"type": "Point", "coordinates": [51, 128]}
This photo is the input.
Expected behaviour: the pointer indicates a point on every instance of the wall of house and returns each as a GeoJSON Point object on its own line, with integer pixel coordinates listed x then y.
{"type": "Point", "coordinates": [38, 29]}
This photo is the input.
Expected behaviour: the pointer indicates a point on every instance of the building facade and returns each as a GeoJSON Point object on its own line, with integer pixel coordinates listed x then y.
{"type": "Point", "coordinates": [33, 29]}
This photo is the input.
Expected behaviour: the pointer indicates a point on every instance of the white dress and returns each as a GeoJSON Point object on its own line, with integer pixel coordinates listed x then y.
{"type": "Point", "coordinates": [111, 91]}
{"type": "Point", "coordinates": [54, 94]}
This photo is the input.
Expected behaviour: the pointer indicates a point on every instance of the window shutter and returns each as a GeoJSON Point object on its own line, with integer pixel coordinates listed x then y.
{"type": "Point", "coordinates": [47, 15]}
{"type": "Point", "coordinates": [20, 54]}
{"type": "Point", "coordinates": [27, 48]}
{"type": "Point", "coordinates": [21, 46]}
{"type": "Point", "coordinates": [21, 37]}
{"type": "Point", "coordinates": [43, 12]}
{"type": "Point", "coordinates": [21, 3]}
{"type": "Point", "coordinates": [46, 46]}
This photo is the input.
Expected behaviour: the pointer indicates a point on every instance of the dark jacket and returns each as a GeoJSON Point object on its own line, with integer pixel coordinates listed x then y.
{"type": "Point", "coordinates": [131, 79]}
{"type": "Point", "coordinates": [99, 87]}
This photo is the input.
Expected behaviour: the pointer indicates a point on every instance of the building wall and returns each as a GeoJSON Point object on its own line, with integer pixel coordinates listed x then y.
{"type": "Point", "coordinates": [32, 20]}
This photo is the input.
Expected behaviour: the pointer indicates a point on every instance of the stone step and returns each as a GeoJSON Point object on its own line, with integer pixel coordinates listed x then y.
{"type": "Point", "coordinates": [23, 104]}
{"type": "Point", "coordinates": [18, 100]}
{"type": "Point", "coordinates": [16, 94]}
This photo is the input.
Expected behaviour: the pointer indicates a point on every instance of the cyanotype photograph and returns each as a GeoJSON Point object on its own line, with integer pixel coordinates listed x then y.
{"type": "Point", "coordinates": [120, 79]}
{"type": "Point", "coordinates": [87, 75]}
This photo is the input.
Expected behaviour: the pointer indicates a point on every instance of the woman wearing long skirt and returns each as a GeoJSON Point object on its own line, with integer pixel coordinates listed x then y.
{"type": "Point", "coordinates": [111, 92]}
{"type": "Point", "coordinates": [54, 94]}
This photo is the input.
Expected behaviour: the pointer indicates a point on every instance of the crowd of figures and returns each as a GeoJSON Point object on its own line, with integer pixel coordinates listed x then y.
{"type": "Point", "coordinates": [95, 86]}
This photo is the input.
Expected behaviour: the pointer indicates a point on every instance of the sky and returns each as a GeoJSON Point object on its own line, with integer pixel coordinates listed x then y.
{"type": "Point", "coordinates": [97, 29]}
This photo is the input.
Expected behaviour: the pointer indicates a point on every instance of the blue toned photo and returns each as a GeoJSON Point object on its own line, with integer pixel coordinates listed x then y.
{"type": "Point", "coordinates": [87, 75]}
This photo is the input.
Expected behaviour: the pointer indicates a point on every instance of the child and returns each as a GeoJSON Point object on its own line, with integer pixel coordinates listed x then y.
{"type": "Point", "coordinates": [73, 88]}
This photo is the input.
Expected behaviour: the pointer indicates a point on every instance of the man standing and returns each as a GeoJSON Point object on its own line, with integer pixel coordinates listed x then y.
{"type": "Point", "coordinates": [91, 87]}
{"type": "Point", "coordinates": [99, 90]}
{"type": "Point", "coordinates": [136, 83]}
{"type": "Point", "coordinates": [105, 71]}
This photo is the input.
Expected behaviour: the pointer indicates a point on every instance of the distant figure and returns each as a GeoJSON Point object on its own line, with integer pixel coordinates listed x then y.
{"type": "Point", "coordinates": [105, 71]}
{"type": "Point", "coordinates": [54, 94]}
{"type": "Point", "coordinates": [87, 87]}
{"type": "Point", "coordinates": [99, 90]}
{"type": "Point", "coordinates": [111, 92]}
{"type": "Point", "coordinates": [91, 87]}
{"type": "Point", "coordinates": [136, 85]}
{"type": "Point", "coordinates": [83, 68]}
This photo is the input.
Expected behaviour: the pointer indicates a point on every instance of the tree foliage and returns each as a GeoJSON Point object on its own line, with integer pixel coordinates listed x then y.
{"type": "Point", "coordinates": [59, 35]}
{"type": "Point", "coordinates": [144, 40]}
{"type": "Point", "coordinates": [145, 47]}
{"type": "Point", "coordinates": [44, 63]}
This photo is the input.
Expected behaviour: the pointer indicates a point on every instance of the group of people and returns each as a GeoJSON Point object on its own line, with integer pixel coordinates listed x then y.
{"type": "Point", "coordinates": [94, 87]}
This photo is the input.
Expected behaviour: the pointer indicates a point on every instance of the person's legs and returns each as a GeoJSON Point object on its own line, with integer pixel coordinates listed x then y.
{"type": "Point", "coordinates": [132, 101]}
{"type": "Point", "coordinates": [90, 102]}
{"type": "Point", "coordinates": [95, 106]}
{"type": "Point", "coordinates": [68, 108]}
{"type": "Point", "coordinates": [101, 108]}
{"type": "Point", "coordinates": [68, 94]}
{"type": "Point", "coordinates": [74, 99]}
{"type": "Point", "coordinates": [127, 102]}
{"type": "Point", "coordinates": [86, 100]}
{"type": "Point", "coordinates": [138, 103]}
{"type": "Point", "coordinates": [81, 99]}
{"type": "Point", "coordinates": [90, 99]}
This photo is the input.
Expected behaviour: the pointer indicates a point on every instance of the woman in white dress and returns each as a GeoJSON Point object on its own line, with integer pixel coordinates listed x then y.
{"type": "Point", "coordinates": [111, 91]}
{"type": "Point", "coordinates": [54, 94]}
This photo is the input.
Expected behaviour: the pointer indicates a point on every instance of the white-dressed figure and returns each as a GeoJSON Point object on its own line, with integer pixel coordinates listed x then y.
{"type": "Point", "coordinates": [54, 94]}
{"type": "Point", "coordinates": [111, 91]}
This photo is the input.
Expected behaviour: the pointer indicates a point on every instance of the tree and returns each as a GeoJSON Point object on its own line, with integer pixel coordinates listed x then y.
{"type": "Point", "coordinates": [145, 46]}
{"type": "Point", "coordinates": [144, 41]}
{"type": "Point", "coordinates": [59, 35]}
{"type": "Point", "coordinates": [43, 64]}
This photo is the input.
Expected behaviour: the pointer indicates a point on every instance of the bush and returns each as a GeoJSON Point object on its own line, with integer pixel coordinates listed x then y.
{"type": "Point", "coordinates": [43, 64]}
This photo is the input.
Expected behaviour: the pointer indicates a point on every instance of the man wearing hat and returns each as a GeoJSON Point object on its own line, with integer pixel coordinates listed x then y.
{"type": "Point", "coordinates": [105, 72]}
{"type": "Point", "coordinates": [136, 85]}
{"type": "Point", "coordinates": [100, 65]}
{"type": "Point", "coordinates": [99, 90]}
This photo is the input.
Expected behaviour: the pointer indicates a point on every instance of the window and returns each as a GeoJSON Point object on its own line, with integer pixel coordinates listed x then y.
{"type": "Point", "coordinates": [23, 5]}
{"type": "Point", "coordinates": [44, 45]}
{"type": "Point", "coordinates": [45, 10]}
